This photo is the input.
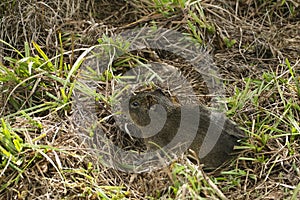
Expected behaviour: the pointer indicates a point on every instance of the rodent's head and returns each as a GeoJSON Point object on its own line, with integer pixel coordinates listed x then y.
{"type": "Point", "coordinates": [142, 103]}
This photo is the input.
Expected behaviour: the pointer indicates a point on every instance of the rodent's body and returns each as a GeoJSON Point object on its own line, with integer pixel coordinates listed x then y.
{"type": "Point", "coordinates": [186, 120]}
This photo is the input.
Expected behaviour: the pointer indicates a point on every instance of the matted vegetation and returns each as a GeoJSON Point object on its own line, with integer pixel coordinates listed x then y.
{"type": "Point", "coordinates": [255, 45]}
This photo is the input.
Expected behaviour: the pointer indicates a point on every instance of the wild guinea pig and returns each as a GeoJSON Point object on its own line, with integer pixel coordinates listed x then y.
{"type": "Point", "coordinates": [160, 121]}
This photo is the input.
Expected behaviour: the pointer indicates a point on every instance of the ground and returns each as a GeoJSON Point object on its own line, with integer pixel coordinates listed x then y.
{"type": "Point", "coordinates": [254, 44]}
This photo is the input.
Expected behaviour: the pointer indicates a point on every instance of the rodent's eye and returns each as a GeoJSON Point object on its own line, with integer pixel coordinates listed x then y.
{"type": "Point", "coordinates": [135, 104]}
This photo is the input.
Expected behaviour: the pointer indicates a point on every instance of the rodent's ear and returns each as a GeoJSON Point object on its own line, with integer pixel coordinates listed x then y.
{"type": "Point", "coordinates": [151, 100]}
{"type": "Point", "coordinates": [158, 92]}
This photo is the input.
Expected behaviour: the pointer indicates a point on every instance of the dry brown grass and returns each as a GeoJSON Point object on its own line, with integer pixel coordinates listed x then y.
{"type": "Point", "coordinates": [266, 33]}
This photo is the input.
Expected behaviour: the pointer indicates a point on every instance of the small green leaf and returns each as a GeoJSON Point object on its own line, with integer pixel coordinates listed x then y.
{"type": "Point", "coordinates": [18, 145]}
